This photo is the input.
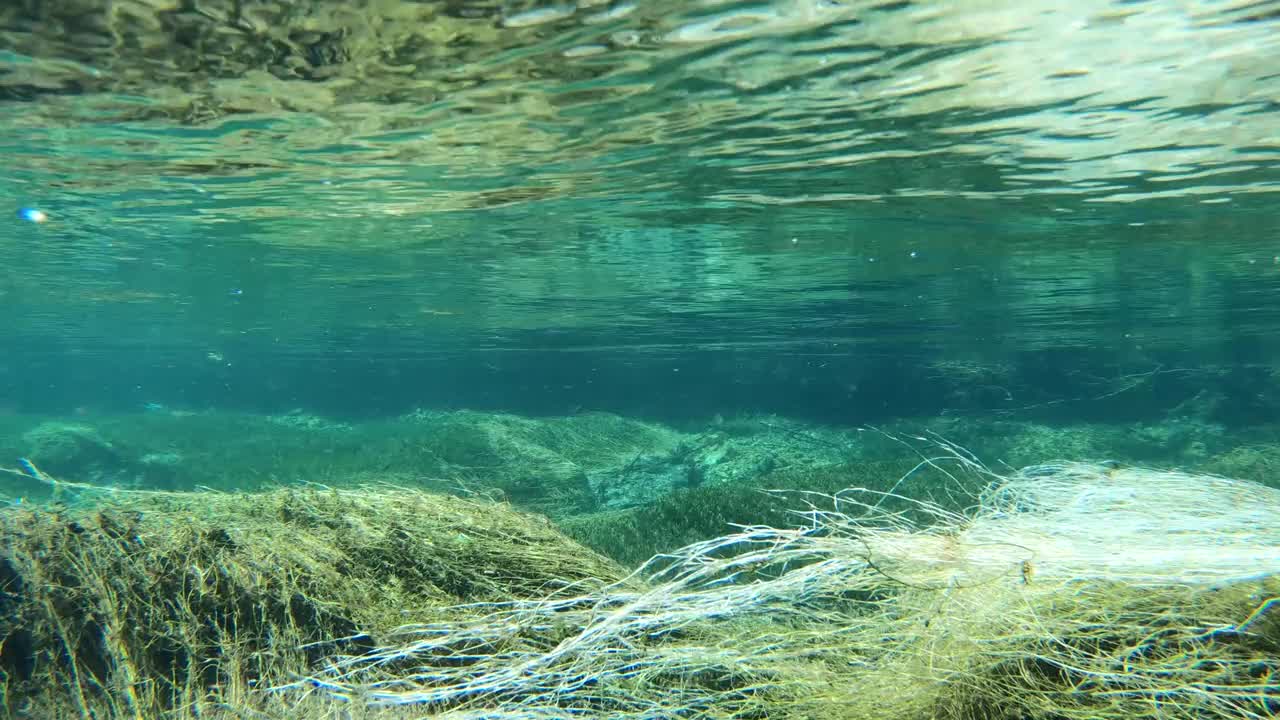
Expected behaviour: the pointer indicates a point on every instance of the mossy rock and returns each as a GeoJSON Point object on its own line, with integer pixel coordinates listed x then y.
{"type": "Point", "coordinates": [690, 515]}
{"type": "Point", "coordinates": [1260, 463]}
{"type": "Point", "coordinates": [76, 451]}
{"type": "Point", "coordinates": [173, 604]}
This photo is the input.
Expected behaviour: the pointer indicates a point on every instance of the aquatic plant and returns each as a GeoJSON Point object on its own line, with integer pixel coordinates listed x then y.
{"type": "Point", "coordinates": [1068, 591]}
{"type": "Point", "coordinates": [134, 604]}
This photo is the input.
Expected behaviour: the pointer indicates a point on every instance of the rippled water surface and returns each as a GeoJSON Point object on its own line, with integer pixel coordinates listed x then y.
{"type": "Point", "coordinates": [231, 183]}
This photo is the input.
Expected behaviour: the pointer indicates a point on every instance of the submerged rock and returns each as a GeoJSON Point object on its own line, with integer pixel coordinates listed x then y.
{"type": "Point", "coordinates": [187, 603]}
{"type": "Point", "coordinates": [70, 450]}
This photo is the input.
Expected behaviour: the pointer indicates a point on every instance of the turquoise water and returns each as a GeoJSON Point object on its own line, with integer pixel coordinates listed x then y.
{"type": "Point", "coordinates": [842, 210]}
{"type": "Point", "coordinates": [292, 290]}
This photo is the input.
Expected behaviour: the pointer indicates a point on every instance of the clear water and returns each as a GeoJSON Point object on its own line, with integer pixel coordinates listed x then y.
{"type": "Point", "coordinates": [656, 208]}
{"type": "Point", "coordinates": [624, 265]}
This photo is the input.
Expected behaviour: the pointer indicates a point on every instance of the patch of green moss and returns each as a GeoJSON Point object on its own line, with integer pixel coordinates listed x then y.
{"type": "Point", "coordinates": [694, 514]}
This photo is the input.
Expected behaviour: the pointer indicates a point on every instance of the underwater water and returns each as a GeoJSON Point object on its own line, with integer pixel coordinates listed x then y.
{"type": "Point", "coordinates": [323, 317]}
{"type": "Point", "coordinates": [840, 211]}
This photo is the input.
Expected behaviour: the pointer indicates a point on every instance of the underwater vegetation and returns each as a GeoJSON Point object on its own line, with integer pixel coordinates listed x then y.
{"type": "Point", "coordinates": [1067, 590]}
{"type": "Point", "coordinates": [784, 569]}
{"type": "Point", "coordinates": [163, 604]}
{"type": "Point", "coordinates": [624, 487]}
